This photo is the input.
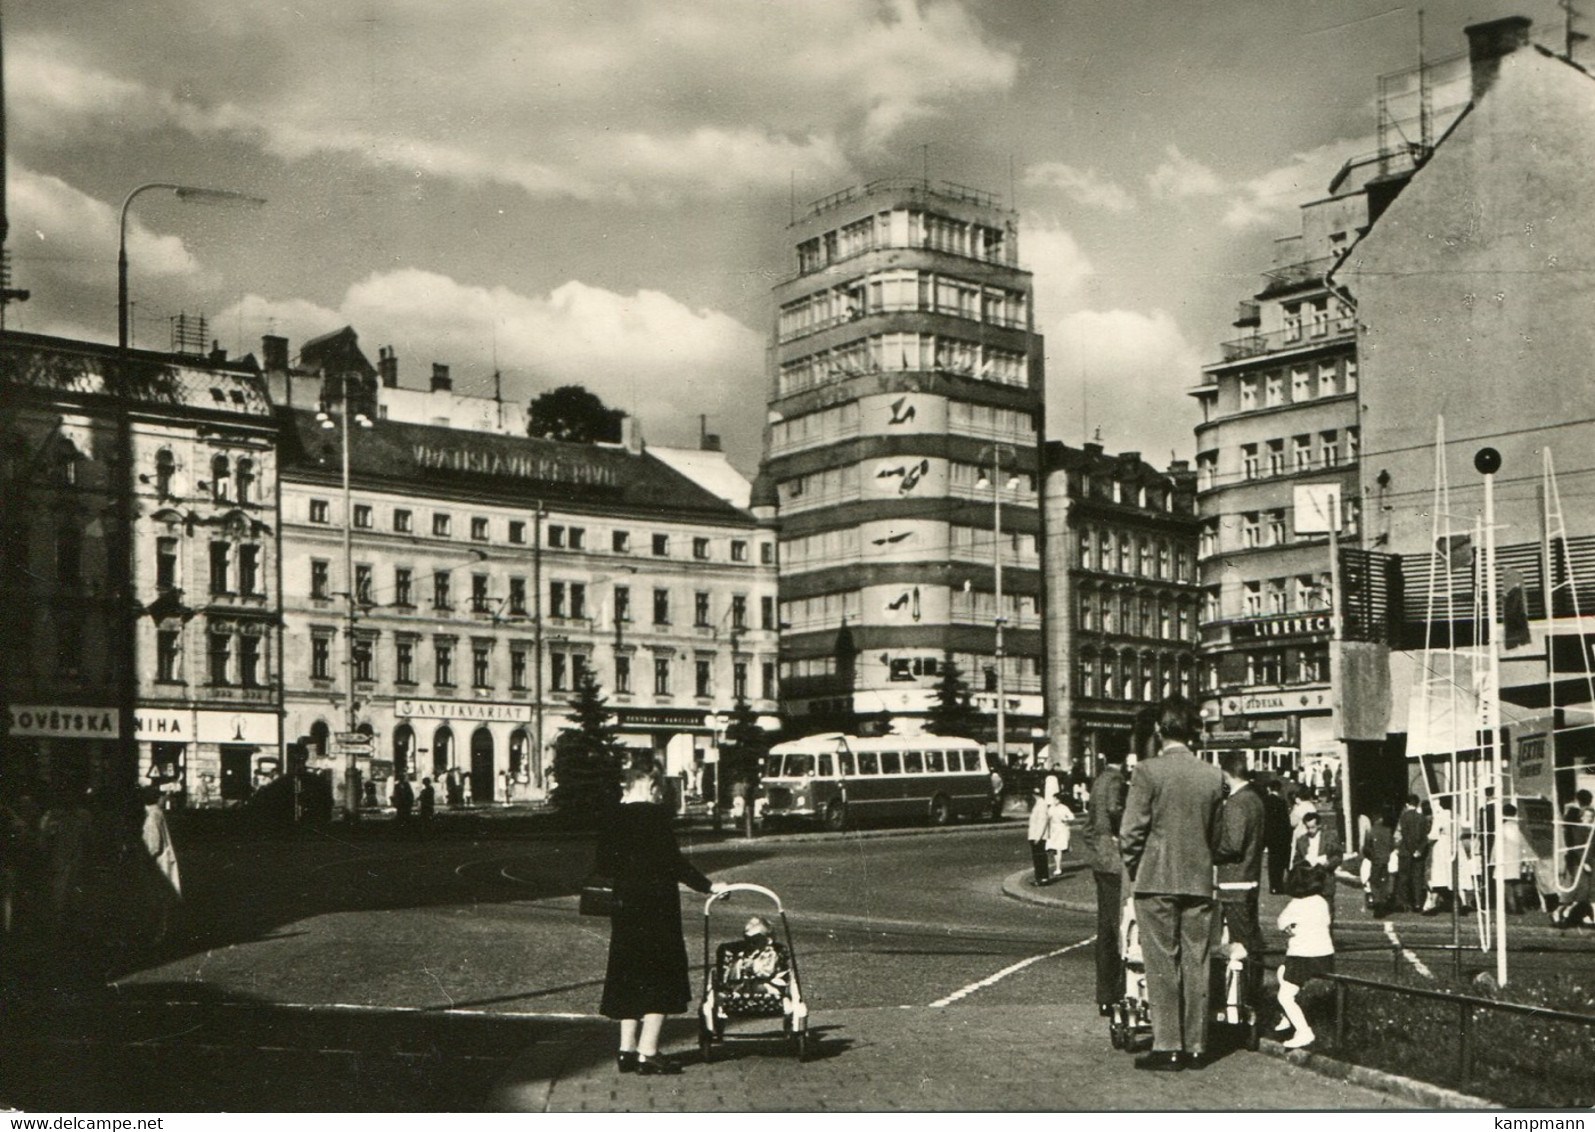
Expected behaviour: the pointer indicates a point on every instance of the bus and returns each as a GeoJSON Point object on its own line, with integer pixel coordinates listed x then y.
{"type": "Point", "coordinates": [844, 780]}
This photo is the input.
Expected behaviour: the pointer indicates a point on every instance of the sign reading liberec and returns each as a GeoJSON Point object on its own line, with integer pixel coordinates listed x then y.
{"type": "Point", "coordinates": [1297, 625]}
{"type": "Point", "coordinates": [553, 469]}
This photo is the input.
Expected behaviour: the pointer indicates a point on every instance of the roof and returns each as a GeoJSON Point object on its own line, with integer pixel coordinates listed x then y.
{"type": "Point", "coordinates": [515, 469]}
{"type": "Point", "coordinates": [68, 366]}
{"type": "Point", "coordinates": [710, 470]}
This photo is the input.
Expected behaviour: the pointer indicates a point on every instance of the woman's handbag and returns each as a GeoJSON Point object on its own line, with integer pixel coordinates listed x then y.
{"type": "Point", "coordinates": [598, 896]}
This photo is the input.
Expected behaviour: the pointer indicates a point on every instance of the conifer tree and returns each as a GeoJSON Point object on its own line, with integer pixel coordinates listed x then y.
{"type": "Point", "coordinates": [951, 713]}
{"type": "Point", "coordinates": [588, 757]}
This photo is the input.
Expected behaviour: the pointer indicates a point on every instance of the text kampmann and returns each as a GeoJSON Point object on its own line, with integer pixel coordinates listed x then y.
{"type": "Point", "coordinates": [1538, 1124]}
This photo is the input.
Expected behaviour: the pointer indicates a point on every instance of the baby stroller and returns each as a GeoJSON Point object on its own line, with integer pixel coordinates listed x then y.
{"type": "Point", "coordinates": [1130, 1019]}
{"type": "Point", "coordinates": [752, 977]}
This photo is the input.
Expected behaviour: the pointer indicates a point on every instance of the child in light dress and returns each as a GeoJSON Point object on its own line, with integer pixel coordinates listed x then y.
{"type": "Point", "coordinates": [1059, 815]}
{"type": "Point", "coordinates": [1309, 950]}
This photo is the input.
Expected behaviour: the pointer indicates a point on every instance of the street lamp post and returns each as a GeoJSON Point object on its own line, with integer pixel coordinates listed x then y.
{"type": "Point", "coordinates": [123, 548]}
{"type": "Point", "coordinates": [996, 451]}
{"type": "Point", "coordinates": [351, 783]}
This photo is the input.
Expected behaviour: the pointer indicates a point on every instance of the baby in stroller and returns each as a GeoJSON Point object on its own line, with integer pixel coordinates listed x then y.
{"type": "Point", "coordinates": [752, 973]}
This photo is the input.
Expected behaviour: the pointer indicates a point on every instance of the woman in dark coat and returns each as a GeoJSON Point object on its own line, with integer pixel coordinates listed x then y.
{"type": "Point", "coordinates": [647, 974]}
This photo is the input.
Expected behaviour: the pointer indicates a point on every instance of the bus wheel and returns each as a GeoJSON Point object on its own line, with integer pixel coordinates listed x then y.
{"type": "Point", "coordinates": [836, 816]}
{"type": "Point", "coordinates": [941, 810]}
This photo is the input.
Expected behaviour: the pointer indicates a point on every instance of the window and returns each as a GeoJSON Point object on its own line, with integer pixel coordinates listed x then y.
{"type": "Point", "coordinates": [246, 480]}
{"type": "Point", "coordinates": [319, 579]}
{"type": "Point", "coordinates": [767, 680]}
{"type": "Point", "coordinates": [517, 669]}
{"type": "Point", "coordinates": [1353, 442]}
{"type": "Point", "coordinates": [443, 661]}
{"type": "Point", "coordinates": [440, 590]}
{"type": "Point", "coordinates": [221, 480]}
{"type": "Point", "coordinates": [767, 553]}
{"type": "Point", "coordinates": [578, 669]}
{"type": "Point", "coordinates": [517, 531]}
{"type": "Point", "coordinates": [403, 586]}
{"type": "Point", "coordinates": [1318, 314]}
{"type": "Point", "coordinates": [362, 516]}
{"type": "Point", "coordinates": [1276, 457]}
{"type": "Point", "coordinates": [404, 662]}
{"type": "Point", "coordinates": [480, 655]}
{"type": "Point", "coordinates": [1274, 596]}
{"type": "Point", "coordinates": [168, 656]}
{"type": "Point", "coordinates": [702, 670]}
{"type": "Point", "coordinates": [1329, 447]}
{"type": "Point", "coordinates": [739, 680]}
{"type": "Point", "coordinates": [661, 546]}
{"type": "Point", "coordinates": [479, 599]}
{"type": "Point", "coordinates": [1326, 379]}
{"type": "Point", "coordinates": [620, 542]}
{"type": "Point", "coordinates": [220, 564]}
{"type": "Point", "coordinates": [700, 609]}
{"type": "Point", "coordinates": [1163, 560]}
{"type": "Point", "coordinates": [556, 599]}
{"type": "Point", "coordinates": [221, 654]}
{"type": "Point", "coordinates": [1251, 529]}
{"type": "Point", "coordinates": [578, 538]}
{"type": "Point", "coordinates": [558, 679]}
{"type": "Point", "coordinates": [1252, 599]}
{"type": "Point", "coordinates": [165, 564]}
{"type": "Point", "coordinates": [622, 604]}
{"type": "Point", "coordinates": [249, 570]}
{"type": "Point", "coordinates": [1249, 462]}
{"type": "Point", "coordinates": [1276, 527]}
{"type": "Point", "coordinates": [661, 676]}
{"type": "Point", "coordinates": [1301, 452]}
{"type": "Point", "coordinates": [661, 607]}
{"type": "Point", "coordinates": [517, 596]}
{"type": "Point", "coordinates": [739, 550]}
{"type": "Point", "coordinates": [578, 600]}
{"type": "Point", "coordinates": [362, 584]}
{"type": "Point", "coordinates": [739, 612]}
{"type": "Point", "coordinates": [478, 528]}
{"type": "Point", "coordinates": [1301, 384]}
{"type": "Point", "coordinates": [363, 668]}
{"type": "Point", "coordinates": [1293, 323]}
{"type": "Point", "coordinates": [1248, 393]}
{"type": "Point", "coordinates": [700, 548]}
{"type": "Point", "coordinates": [321, 657]}
{"type": "Point", "coordinates": [403, 521]}
{"type": "Point", "coordinates": [766, 612]}
{"type": "Point", "coordinates": [165, 472]}
{"type": "Point", "coordinates": [1306, 592]}
{"type": "Point", "coordinates": [1275, 389]}
{"type": "Point", "coordinates": [441, 524]}
{"type": "Point", "coordinates": [1351, 375]}
{"type": "Point", "coordinates": [623, 674]}
{"type": "Point", "coordinates": [556, 536]}
{"type": "Point", "coordinates": [318, 511]}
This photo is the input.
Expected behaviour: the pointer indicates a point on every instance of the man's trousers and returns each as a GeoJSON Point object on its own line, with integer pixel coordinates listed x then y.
{"type": "Point", "coordinates": [1177, 945]}
{"type": "Point", "coordinates": [1110, 963]}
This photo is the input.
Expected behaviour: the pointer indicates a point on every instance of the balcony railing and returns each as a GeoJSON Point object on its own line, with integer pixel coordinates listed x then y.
{"type": "Point", "coordinates": [1291, 338]}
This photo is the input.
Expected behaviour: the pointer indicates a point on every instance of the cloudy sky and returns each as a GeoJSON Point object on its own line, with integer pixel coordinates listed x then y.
{"type": "Point", "coordinates": [598, 192]}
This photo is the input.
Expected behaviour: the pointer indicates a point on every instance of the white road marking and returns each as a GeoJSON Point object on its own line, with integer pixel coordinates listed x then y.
{"type": "Point", "coordinates": [992, 980]}
{"type": "Point", "coordinates": [1395, 940]}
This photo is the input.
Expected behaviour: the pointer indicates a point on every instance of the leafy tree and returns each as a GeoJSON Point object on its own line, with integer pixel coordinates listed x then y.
{"type": "Point", "coordinates": [572, 413]}
{"type": "Point", "coordinates": [951, 713]}
{"type": "Point", "coordinates": [746, 744]}
{"type": "Point", "coordinates": [588, 757]}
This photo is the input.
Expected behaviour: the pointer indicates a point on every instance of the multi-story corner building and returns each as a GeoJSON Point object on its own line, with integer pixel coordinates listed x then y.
{"type": "Point", "coordinates": [905, 394]}
{"type": "Point", "coordinates": [199, 580]}
{"type": "Point", "coordinates": [488, 572]}
{"type": "Point", "coordinates": [1122, 596]}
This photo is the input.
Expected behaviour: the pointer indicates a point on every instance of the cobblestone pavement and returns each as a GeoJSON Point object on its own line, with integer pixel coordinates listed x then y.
{"type": "Point", "coordinates": [960, 1058]}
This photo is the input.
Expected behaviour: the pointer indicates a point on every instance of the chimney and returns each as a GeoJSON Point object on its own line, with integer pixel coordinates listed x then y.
{"type": "Point", "coordinates": [388, 367]}
{"type": "Point", "coordinates": [1489, 43]}
{"type": "Point", "coordinates": [441, 381]}
{"type": "Point", "coordinates": [217, 354]}
{"type": "Point", "coordinates": [274, 352]}
{"type": "Point", "coordinates": [710, 442]}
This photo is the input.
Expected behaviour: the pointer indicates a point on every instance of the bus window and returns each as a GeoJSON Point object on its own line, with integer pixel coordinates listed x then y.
{"type": "Point", "coordinates": [933, 762]}
{"type": "Point", "coordinates": [799, 766]}
{"type": "Point", "coordinates": [825, 767]}
{"type": "Point", "coordinates": [972, 760]}
{"type": "Point", "coordinates": [891, 762]}
{"type": "Point", "coordinates": [866, 763]}
{"type": "Point", "coordinates": [772, 766]}
{"type": "Point", "coordinates": [845, 759]}
{"type": "Point", "coordinates": [913, 762]}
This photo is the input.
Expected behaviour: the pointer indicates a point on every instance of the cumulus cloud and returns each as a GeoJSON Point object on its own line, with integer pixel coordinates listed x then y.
{"type": "Point", "coordinates": [702, 99]}
{"type": "Point", "coordinates": [646, 353]}
{"type": "Point", "coordinates": [1124, 373]}
{"type": "Point", "coordinates": [1278, 193]}
{"type": "Point", "coordinates": [1052, 254]}
{"type": "Point", "coordinates": [1179, 177]}
{"type": "Point", "coordinates": [1085, 186]}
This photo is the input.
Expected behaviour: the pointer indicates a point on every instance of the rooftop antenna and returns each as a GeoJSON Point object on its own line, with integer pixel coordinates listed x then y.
{"type": "Point", "coordinates": [1013, 187]}
{"type": "Point", "coordinates": [498, 381]}
{"type": "Point", "coordinates": [924, 163]}
{"type": "Point", "coordinates": [1425, 96]}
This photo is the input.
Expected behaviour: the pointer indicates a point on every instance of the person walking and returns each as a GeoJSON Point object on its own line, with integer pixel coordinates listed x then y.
{"type": "Point", "coordinates": [403, 798]}
{"type": "Point", "coordinates": [1378, 845]}
{"type": "Point", "coordinates": [1321, 847]}
{"type": "Point", "coordinates": [157, 840]}
{"type": "Point", "coordinates": [1036, 832]}
{"type": "Point", "coordinates": [428, 802]}
{"type": "Point", "coordinates": [1060, 831]}
{"type": "Point", "coordinates": [1302, 805]}
{"type": "Point", "coordinates": [1309, 950]}
{"type": "Point", "coordinates": [1276, 835]}
{"type": "Point", "coordinates": [1238, 857]}
{"type": "Point", "coordinates": [1104, 809]}
{"type": "Point", "coordinates": [1167, 840]}
{"type": "Point", "coordinates": [1411, 843]}
{"type": "Point", "coordinates": [646, 976]}
{"type": "Point", "coordinates": [1442, 858]}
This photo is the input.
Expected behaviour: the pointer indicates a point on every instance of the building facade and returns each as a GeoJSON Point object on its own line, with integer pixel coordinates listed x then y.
{"type": "Point", "coordinates": [190, 605]}
{"type": "Point", "coordinates": [1122, 596]}
{"type": "Point", "coordinates": [488, 573]}
{"type": "Point", "coordinates": [901, 459]}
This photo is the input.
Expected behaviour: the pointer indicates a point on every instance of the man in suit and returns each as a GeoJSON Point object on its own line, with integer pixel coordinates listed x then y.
{"type": "Point", "coordinates": [1166, 839]}
{"type": "Point", "coordinates": [1412, 841]}
{"type": "Point", "coordinates": [1276, 835]}
{"type": "Point", "coordinates": [1238, 854]}
{"type": "Point", "coordinates": [1320, 845]}
{"type": "Point", "coordinates": [1103, 814]}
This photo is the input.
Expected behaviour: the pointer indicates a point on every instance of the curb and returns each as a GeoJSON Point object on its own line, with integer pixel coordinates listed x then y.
{"type": "Point", "coordinates": [1020, 886]}
{"type": "Point", "coordinates": [1418, 1092]}
{"type": "Point", "coordinates": [729, 838]}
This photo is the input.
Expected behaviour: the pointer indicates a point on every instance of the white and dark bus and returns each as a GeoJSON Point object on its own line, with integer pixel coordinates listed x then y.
{"type": "Point", "coordinates": [843, 780]}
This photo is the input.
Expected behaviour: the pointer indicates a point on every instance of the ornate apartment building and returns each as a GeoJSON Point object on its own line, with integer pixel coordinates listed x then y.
{"type": "Point", "coordinates": [905, 399]}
